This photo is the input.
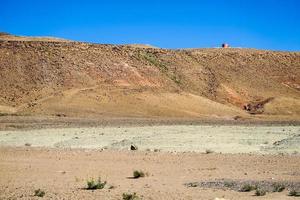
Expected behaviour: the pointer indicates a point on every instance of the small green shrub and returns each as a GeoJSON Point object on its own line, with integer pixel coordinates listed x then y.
{"type": "Point", "coordinates": [260, 192]}
{"type": "Point", "coordinates": [138, 174]}
{"type": "Point", "coordinates": [294, 193]}
{"type": "Point", "coordinates": [127, 196]}
{"type": "Point", "coordinates": [95, 185]}
{"type": "Point", "coordinates": [277, 187]}
{"type": "Point", "coordinates": [247, 188]}
{"type": "Point", "coordinates": [39, 193]}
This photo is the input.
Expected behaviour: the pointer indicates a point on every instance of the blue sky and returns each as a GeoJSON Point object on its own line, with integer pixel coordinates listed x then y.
{"type": "Point", "coordinates": [263, 24]}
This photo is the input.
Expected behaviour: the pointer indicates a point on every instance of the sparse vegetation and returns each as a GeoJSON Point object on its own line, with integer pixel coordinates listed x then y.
{"type": "Point", "coordinates": [39, 193]}
{"type": "Point", "coordinates": [151, 58]}
{"type": "Point", "coordinates": [247, 188]}
{"type": "Point", "coordinates": [95, 185]}
{"type": "Point", "coordinates": [176, 79]}
{"type": "Point", "coordinates": [277, 187]}
{"type": "Point", "coordinates": [228, 184]}
{"type": "Point", "coordinates": [294, 193]}
{"type": "Point", "coordinates": [260, 192]}
{"type": "Point", "coordinates": [138, 174]}
{"type": "Point", "coordinates": [128, 196]}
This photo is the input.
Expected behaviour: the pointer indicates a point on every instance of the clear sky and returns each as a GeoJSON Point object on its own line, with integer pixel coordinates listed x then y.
{"type": "Point", "coordinates": [263, 24]}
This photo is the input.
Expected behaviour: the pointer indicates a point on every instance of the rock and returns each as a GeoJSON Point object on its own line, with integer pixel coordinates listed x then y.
{"type": "Point", "coordinates": [60, 115]}
{"type": "Point", "coordinates": [133, 147]}
{"type": "Point", "coordinates": [27, 144]}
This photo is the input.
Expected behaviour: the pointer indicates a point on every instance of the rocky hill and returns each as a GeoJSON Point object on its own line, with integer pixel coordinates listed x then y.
{"type": "Point", "coordinates": [44, 76]}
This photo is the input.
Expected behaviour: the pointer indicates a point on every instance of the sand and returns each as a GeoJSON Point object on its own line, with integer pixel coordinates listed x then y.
{"type": "Point", "coordinates": [62, 174]}
{"type": "Point", "coordinates": [60, 161]}
{"type": "Point", "coordinates": [170, 138]}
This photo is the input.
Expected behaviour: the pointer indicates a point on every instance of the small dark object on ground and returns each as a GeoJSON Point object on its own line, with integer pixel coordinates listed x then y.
{"type": "Point", "coordinates": [138, 174]}
{"type": "Point", "coordinates": [61, 115]}
{"type": "Point", "coordinates": [208, 151]}
{"type": "Point", "coordinates": [39, 193]}
{"type": "Point", "coordinates": [133, 147]}
{"type": "Point", "coordinates": [193, 185]}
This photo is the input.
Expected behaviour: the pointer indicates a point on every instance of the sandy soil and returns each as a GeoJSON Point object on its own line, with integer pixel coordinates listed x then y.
{"type": "Point", "coordinates": [63, 174]}
{"type": "Point", "coordinates": [60, 161]}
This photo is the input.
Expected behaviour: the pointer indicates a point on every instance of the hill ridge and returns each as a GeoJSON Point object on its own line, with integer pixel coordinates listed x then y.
{"type": "Point", "coordinates": [147, 82]}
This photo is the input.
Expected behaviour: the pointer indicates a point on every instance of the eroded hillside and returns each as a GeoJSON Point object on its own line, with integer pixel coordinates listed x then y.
{"type": "Point", "coordinates": [66, 78]}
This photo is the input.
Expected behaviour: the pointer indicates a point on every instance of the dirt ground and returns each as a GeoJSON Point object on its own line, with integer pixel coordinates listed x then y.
{"type": "Point", "coordinates": [60, 161]}
{"type": "Point", "coordinates": [262, 139]}
{"type": "Point", "coordinates": [62, 174]}
{"type": "Point", "coordinates": [69, 111]}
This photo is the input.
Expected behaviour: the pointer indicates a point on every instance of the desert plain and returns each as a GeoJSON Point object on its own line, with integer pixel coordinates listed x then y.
{"type": "Point", "coordinates": [198, 123]}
